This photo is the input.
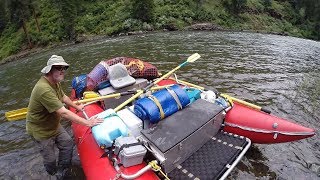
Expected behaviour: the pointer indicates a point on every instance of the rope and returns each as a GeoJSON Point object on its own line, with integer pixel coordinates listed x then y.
{"type": "Point", "coordinates": [157, 168]}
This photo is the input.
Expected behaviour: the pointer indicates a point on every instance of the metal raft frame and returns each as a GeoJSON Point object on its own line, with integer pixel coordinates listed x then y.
{"type": "Point", "coordinates": [190, 145]}
{"type": "Point", "coordinates": [214, 160]}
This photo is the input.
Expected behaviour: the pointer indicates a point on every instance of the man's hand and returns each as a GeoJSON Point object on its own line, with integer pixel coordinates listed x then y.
{"type": "Point", "coordinates": [94, 121]}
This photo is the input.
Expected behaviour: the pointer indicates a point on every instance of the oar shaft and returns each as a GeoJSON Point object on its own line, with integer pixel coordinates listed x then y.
{"type": "Point", "coordinates": [160, 87]}
{"type": "Point", "coordinates": [230, 97]}
{"type": "Point", "coordinates": [102, 97]}
{"type": "Point", "coordinates": [128, 101]}
{"type": "Point", "coordinates": [190, 84]}
{"type": "Point", "coordinates": [242, 102]}
{"type": "Point", "coordinates": [21, 113]}
{"type": "Point", "coordinates": [167, 75]}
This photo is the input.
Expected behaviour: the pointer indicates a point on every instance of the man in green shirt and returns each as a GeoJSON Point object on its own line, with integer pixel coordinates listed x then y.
{"type": "Point", "coordinates": [45, 111]}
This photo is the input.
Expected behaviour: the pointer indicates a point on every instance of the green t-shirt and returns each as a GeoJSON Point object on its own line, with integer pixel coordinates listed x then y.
{"type": "Point", "coordinates": [42, 120]}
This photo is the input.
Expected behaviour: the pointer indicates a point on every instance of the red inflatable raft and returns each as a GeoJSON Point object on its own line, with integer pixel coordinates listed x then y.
{"type": "Point", "coordinates": [258, 126]}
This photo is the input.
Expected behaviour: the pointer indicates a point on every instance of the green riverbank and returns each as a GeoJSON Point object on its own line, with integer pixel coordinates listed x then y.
{"type": "Point", "coordinates": [30, 26]}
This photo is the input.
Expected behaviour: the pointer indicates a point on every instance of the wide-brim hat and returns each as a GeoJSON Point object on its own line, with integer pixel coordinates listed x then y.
{"type": "Point", "coordinates": [119, 76]}
{"type": "Point", "coordinates": [54, 61]}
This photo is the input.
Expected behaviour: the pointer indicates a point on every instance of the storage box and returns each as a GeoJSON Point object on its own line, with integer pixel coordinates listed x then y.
{"type": "Point", "coordinates": [133, 123]}
{"type": "Point", "coordinates": [114, 102]}
{"type": "Point", "coordinates": [132, 155]}
{"type": "Point", "coordinates": [178, 136]}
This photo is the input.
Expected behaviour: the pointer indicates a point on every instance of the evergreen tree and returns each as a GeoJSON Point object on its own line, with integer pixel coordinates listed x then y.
{"type": "Point", "coordinates": [33, 6]}
{"type": "Point", "coordinates": [68, 12]}
{"type": "Point", "coordinates": [143, 10]}
{"type": "Point", "coordinates": [3, 19]}
{"type": "Point", "coordinates": [19, 14]}
{"type": "Point", "coordinates": [267, 4]}
{"type": "Point", "coordinates": [311, 13]}
{"type": "Point", "coordinates": [234, 6]}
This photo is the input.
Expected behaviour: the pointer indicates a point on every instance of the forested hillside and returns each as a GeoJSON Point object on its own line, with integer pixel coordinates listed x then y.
{"type": "Point", "coordinates": [26, 24]}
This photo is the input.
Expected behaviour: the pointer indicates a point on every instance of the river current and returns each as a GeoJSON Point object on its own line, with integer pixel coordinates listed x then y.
{"type": "Point", "coordinates": [278, 72]}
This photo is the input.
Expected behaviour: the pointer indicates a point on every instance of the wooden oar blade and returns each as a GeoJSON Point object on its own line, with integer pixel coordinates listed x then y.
{"type": "Point", "coordinates": [193, 57]}
{"type": "Point", "coordinates": [16, 114]}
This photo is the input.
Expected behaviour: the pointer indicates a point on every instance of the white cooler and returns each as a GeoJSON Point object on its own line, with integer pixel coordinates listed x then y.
{"type": "Point", "coordinates": [133, 123]}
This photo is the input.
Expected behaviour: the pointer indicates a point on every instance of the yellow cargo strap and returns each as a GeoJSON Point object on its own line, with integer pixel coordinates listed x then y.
{"type": "Point", "coordinates": [155, 100]}
{"type": "Point", "coordinates": [156, 168]}
{"type": "Point", "coordinates": [175, 97]}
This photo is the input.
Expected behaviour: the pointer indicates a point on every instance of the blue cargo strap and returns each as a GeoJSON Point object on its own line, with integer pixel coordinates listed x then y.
{"type": "Point", "coordinates": [175, 97]}
{"type": "Point", "coordinates": [156, 101]}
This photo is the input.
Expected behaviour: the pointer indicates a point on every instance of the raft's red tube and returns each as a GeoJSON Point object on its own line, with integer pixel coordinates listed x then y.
{"type": "Point", "coordinates": [263, 128]}
{"type": "Point", "coordinates": [94, 166]}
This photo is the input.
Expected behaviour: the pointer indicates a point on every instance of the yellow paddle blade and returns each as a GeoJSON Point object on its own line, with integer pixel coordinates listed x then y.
{"type": "Point", "coordinates": [16, 114]}
{"type": "Point", "coordinates": [193, 57]}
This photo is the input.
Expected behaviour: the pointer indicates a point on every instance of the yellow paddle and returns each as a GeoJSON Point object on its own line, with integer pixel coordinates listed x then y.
{"type": "Point", "coordinates": [16, 114]}
{"type": "Point", "coordinates": [20, 114]}
{"type": "Point", "coordinates": [190, 59]}
{"type": "Point", "coordinates": [229, 97]}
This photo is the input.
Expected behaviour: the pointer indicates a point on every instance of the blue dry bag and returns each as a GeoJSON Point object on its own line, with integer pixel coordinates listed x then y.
{"type": "Point", "coordinates": [79, 84]}
{"type": "Point", "coordinates": [161, 104]}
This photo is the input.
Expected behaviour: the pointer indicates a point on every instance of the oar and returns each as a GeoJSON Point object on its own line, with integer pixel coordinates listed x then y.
{"type": "Point", "coordinates": [20, 114]}
{"type": "Point", "coordinates": [190, 59]}
{"type": "Point", "coordinates": [93, 96]}
{"type": "Point", "coordinates": [229, 97]}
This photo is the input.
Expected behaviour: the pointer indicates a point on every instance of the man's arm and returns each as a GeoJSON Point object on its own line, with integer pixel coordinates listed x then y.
{"type": "Point", "coordinates": [68, 102]}
{"type": "Point", "coordinates": [67, 114]}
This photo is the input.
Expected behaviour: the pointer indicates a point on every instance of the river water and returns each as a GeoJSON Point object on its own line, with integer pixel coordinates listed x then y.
{"type": "Point", "coordinates": [277, 72]}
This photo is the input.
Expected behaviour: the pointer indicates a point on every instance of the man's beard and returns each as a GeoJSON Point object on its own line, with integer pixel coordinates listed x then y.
{"type": "Point", "coordinates": [58, 78]}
